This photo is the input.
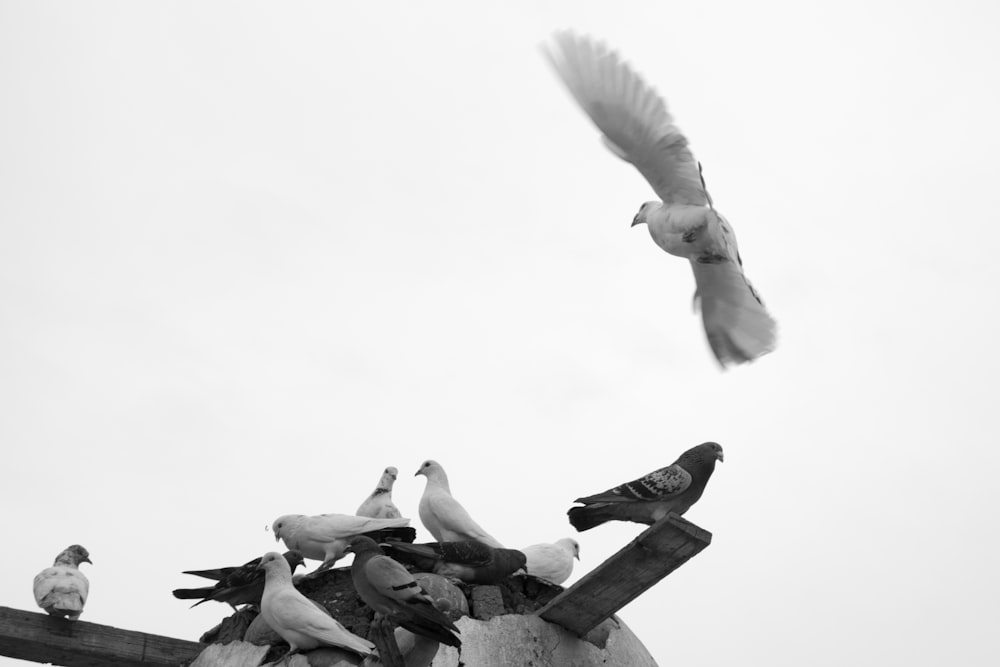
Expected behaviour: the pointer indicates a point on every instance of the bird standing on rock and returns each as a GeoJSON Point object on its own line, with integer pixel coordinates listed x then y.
{"type": "Point", "coordinates": [295, 617]}
{"type": "Point", "coordinates": [637, 128]}
{"type": "Point", "coordinates": [673, 489]}
{"type": "Point", "coordinates": [552, 562]}
{"type": "Point", "coordinates": [443, 516]}
{"type": "Point", "coordinates": [469, 561]}
{"type": "Point", "coordinates": [324, 536]}
{"type": "Point", "coordinates": [389, 589]}
{"type": "Point", "coordinates": [61, 590]}
{"type": "Point", "coordinates": [379, 504]}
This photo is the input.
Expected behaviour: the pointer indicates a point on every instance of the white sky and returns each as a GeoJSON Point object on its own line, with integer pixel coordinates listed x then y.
{"type": "Point", "coordinates": [250, 254]}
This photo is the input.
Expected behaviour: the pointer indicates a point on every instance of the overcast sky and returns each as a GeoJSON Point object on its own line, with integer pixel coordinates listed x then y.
{"type": "Point", "coordinates": [251, 254]}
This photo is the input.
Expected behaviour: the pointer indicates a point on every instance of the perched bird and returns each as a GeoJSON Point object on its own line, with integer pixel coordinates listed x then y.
{"type": "Point", "coordinates": [236, 585]}
{"type": "Point", "coordinates": [470, 561]}
{"type": "Point", "coordinates": [324, 536]}
{"type": "Point", "coordinates": [379, 504]}
{"type": "Point", "coordinates": [552, 562]}
{"type": "Point", "coordinates": [294, 617]}
{"type": "Point", "coordinates": [391, 591]}
{"type": "Point", "coordinates": [648, 499]}
{"type": "Point", "coordinates": [442, 515]}
{"type": "Point", "coordinates": [61, 590]}
{"type": "Point", "coordinates": [637, 127]}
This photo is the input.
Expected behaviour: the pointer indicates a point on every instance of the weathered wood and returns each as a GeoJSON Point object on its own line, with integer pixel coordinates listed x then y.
{"type": "Point", "coordinates": [655, 553]}
{"type": "Point", "coordinates": [43, 638]}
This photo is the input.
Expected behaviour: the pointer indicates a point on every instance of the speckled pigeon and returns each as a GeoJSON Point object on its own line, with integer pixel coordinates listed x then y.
{"type": "Point", "coordinates": [650, 498]}
{"type": "Point", "coordinates": [379, 504]}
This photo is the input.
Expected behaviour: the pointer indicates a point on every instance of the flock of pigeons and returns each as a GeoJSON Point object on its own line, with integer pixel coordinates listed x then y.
{"type": "Point", "coordinates": [637, 127]}
{"type": "Point", "coordinates": [381, 540]}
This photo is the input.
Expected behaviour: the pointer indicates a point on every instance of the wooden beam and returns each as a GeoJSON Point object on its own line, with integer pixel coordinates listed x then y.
{"type": "Point", "coordinates": [43, 638]}
{"type": "Point", "coordinates": [658, 551]}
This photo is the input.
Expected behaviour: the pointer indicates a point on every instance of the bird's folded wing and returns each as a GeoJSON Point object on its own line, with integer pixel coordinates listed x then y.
{"type": "Point", "coordinates": [453, 517]}
{"type": "Point", "coordinates": [657, 485]}
{"type": "Point", "coordinates": [391, 579]}
{"type": "Point", "coordinates": [469, 552]}
{"type": "Point", "coordinates": [633, 118]}
{"type": "Point", "coordinates": [331, 527]}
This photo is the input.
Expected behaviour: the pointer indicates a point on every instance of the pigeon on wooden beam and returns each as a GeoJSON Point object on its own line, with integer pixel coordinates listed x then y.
{"type": "Point", "coordinates": [325, 536]}
{"type": "Point", "coordinates": [442, 515]}
{"type": "Point", "coordinates": [61, 590]}
{"type": "Point", "coordinates": [637, 127]}
{"type": "Point", "coordinates": [469, 561]}
{"type": "Point", "coordinates": [236, 585]}
{"type": "Point", "coordinates": [673, 489]}
{"type": "Point", "coordinates": [379, 504]}
{"type": "Point", "coordinates": [388, 588]}
{"type": "Point", "coordinates": [296, 618]}
{"type": "Point", "coordinates": [552, 562]}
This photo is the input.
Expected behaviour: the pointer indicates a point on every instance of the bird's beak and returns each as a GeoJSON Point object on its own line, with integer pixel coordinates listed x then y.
{"type": "Point", "coordinates": [721, 457]}
{"type": "Point", "coordinates": [576, 556]}
{"type": "Point", "coordinates": [636, 221]}
{"type": "Point", "coordinates": [87, 560]}
{"type": "Point", "coordinates": [277, 537]}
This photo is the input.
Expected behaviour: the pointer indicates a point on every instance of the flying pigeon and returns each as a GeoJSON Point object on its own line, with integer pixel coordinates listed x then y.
{"type": "Point", "coordinates": [379, 504]}
{"type": "Point", "coordinates": [391, 591]}
{"type": "Point", "coordinates": [324, 536]}
{"type": "Point", "coordinates": [648, 499]}
{"type": "Point", "coordinates": [294, 617]}
{"type": "Point", "coordinates": [552, 562]}
{"type": "Point", "coordinates": [470, 561]}
{"type": "Point", "coordinates": [442, 515]}
{"type": "Point", "coordinates": [61, 590]}
{"type": "Point", "coordinates": [236, 585]}
{"type": "Point", "coordinates": [637, 127]}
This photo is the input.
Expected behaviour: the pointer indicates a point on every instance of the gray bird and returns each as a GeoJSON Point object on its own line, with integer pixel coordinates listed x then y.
{"type": "Point", "coordinates": [379, 504]}
{"type": "Point", "coordinates": [392, 592]}
{"type": "Point", "coordinates": [470, 561]}
{"type": "Point", "coordinates": [61, 590]}
{"type": "Point", "coordinates": [673, 489]}
{"type": "Point", "coordinates": [236, 585]}
{"type": "Point", "coordinates": [637, 128]}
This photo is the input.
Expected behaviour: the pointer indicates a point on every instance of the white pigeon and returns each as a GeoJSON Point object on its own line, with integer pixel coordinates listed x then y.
{"type": "Point", "coordinates": [294, 617]}
{"type": "Point", "coordinates": [325, 536]}
{"type": "Point", "coordinates": [552, 562]}
{"type": "Point", "coordinates": [379, 504]}
{"type": "Point", "coordinates": [637, 127]}
{"type": "Point", "coordinates": [442, 515]}
{"type": "Point", "coordinates": [62, 589]}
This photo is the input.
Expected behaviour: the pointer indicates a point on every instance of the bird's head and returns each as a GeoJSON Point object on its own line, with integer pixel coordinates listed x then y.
{"type": "Point", "coordinates": [571, 546]}
{"type": "Point", "coordinates": [294, 559]}
{"type": "Point", "coordinates": [714, 449]}
{"type": "Point", "coordinates": [391, 473]}
{"type": "Point", "coordinates": [360, 544]}
{"type": "Point", "coordinates": [644, 211]}
{"type": "Point", "coordinates": [272, 561]}
{"type": "Point", "coordinates": [429, 468]}
{"type": "Point", "coordinates": [74, 554]}
{"type": "Point", "coordinates": [282, 525]}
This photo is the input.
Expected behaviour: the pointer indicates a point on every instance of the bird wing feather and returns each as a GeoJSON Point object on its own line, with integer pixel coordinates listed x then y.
{"type": "Point", "coordinates": [632, 117]}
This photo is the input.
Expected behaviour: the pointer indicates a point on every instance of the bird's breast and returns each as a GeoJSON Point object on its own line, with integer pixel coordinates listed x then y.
{"type": "Point", "coordinates": [680, 229]}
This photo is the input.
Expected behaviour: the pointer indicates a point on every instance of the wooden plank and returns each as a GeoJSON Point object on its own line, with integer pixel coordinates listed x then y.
{"type": "Point", "coordinates": [655, 553]}
{"type": "Point", "coordinates": [43, 638]}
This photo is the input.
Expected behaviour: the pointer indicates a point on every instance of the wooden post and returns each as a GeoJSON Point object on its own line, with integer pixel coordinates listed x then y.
{"type": "Point", "coordinates": [658, 551]}
{"type": "Point", "coordinates": [42, 638]}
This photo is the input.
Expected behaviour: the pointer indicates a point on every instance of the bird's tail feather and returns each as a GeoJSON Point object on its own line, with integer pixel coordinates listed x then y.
{"type": "Point", "coordinates": [400, 534]}
{"type": "Point", "coordinates": [585, 518]}
{"type": "Point", "coordinates": [427, 620]}
{"type": "Point", "coordinates": [192, 593]}
{"type": "Point", "coordinates": [738, 327]}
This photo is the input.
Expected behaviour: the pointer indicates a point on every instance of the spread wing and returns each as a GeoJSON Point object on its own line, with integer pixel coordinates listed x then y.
{"type": "Point", "coordinates": [634, 120]}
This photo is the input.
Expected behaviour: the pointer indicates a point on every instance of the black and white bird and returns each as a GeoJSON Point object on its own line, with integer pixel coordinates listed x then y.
{"type": "Point", "coordinates": [379, 504]}
{"type": "Point", "coordinates": [673, 489]}
{"type": "Point", "coordinates": [235, 586]}
{"type": "Point", "coordinates": [637, 127]}
{"type": "Point", "coordinates": [61, 590]}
